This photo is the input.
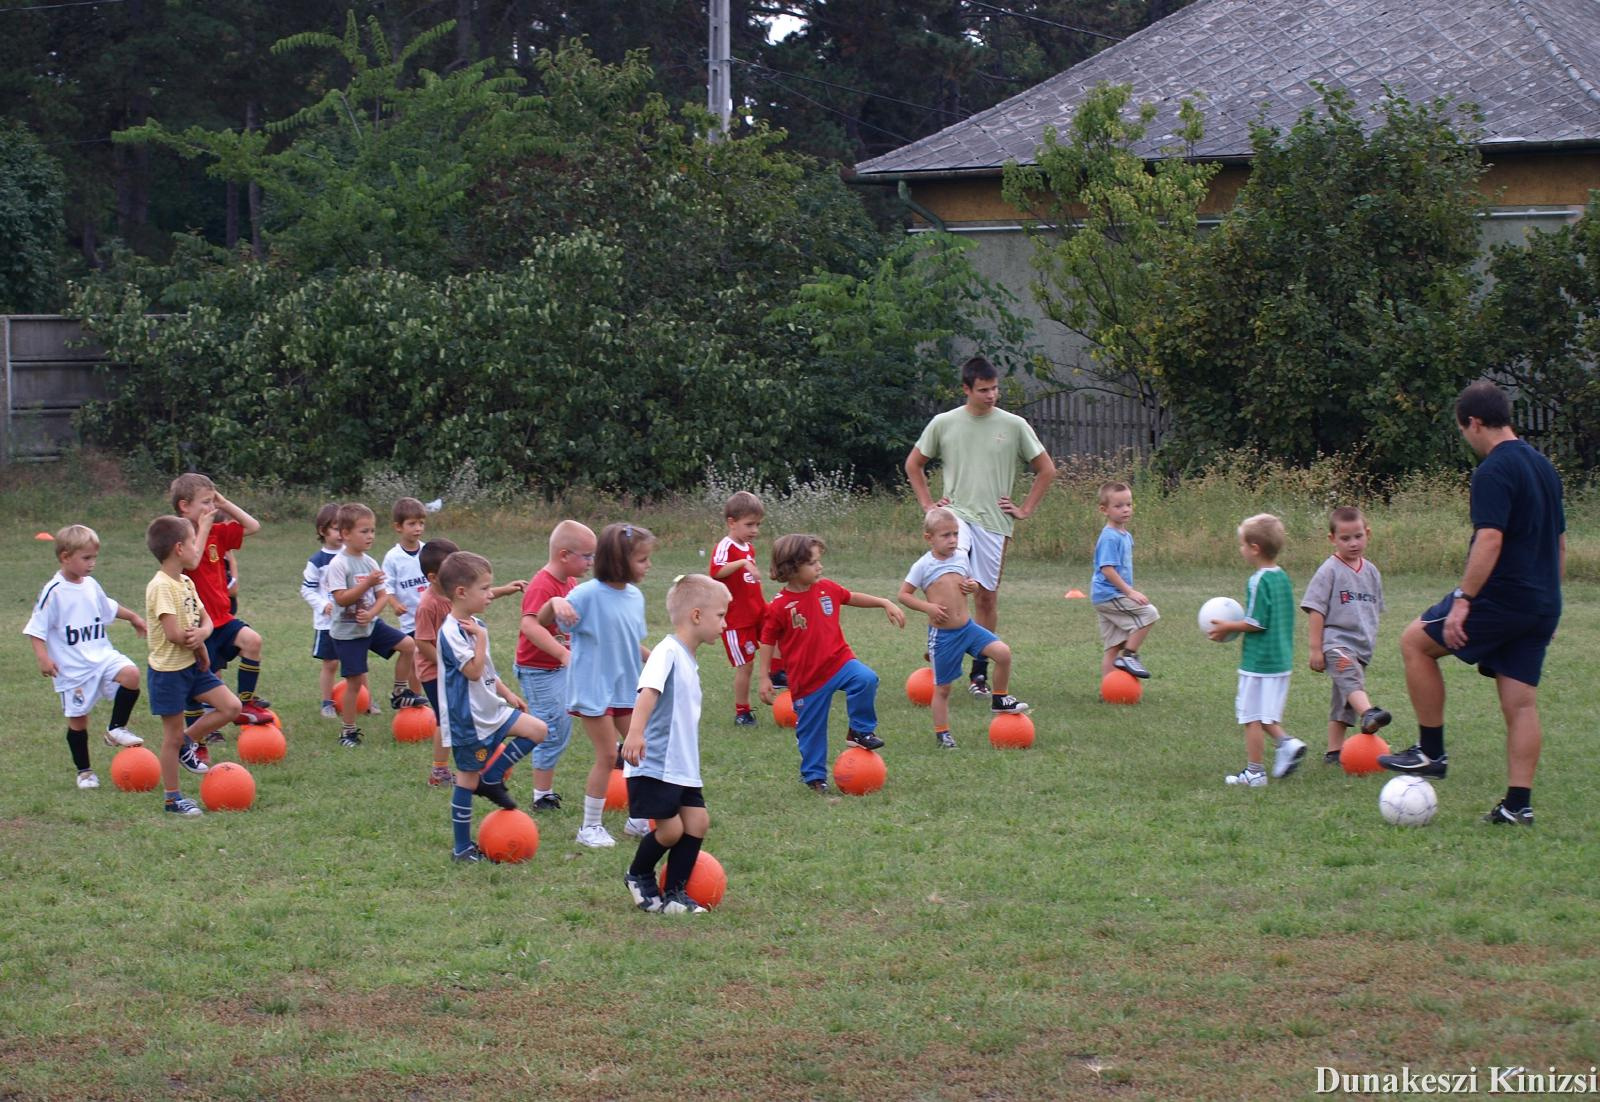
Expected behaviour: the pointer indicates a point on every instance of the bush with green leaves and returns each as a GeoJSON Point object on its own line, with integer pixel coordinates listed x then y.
{"type": "Point", "coordinates": [32, 192]}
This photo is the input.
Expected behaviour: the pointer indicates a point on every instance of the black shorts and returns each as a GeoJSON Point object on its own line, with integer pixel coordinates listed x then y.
{"type": "Point", "coordinates": [1500, 639]}
{"type": "Point", "coordinates": [654, 798]}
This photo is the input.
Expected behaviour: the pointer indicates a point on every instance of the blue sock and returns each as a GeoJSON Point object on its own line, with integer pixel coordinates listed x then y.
{"type": "Point", "coordinates": [249, 675]}
{"type": "Point", "coordinates": [461, 817]}
{"type": "Point", "coordinates": [515, 750]}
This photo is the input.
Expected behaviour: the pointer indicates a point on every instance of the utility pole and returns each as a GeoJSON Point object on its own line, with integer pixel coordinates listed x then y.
{"type": "Point", "coordinates": [719, 79]}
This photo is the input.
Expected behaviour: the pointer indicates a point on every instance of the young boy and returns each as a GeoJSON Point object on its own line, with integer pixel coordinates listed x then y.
{"type": "Point", "coordinates": [662, 750]}
{"type": "Point", "coordinates": [357, 586]}
{"type": "Point", "coordinates": [803, 620]}
{"type": "Point", "coordinates": [402, 573]}
{"type": "Point", "coordinates": [733, 563]}
{"type": "Point", "coordinates": [1268, 654]}
{"type": "Point", "coordinates": [1124, 614]}
{"type": "Point", "coordinates": [942, 576]}
{"type": "Point", "coordinates": [1343, 602]}
{"type": "Point", "coordinates": [432, 609]}
{"type": "Point", "coordinates": [196, 498]}
{"type": "Point", "coordinates": [69, 632]}
{"type": "Point", "coordinates": [478, 712]}
{"type": "Point", "coordinates": [314, 592]}
{"type": "Point", "coordinates": [543, 653]}
{"type": "Point", "coordinates": [180, 665]}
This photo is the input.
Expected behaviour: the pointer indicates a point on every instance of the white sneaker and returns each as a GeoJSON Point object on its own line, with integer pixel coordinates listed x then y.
{"type": "Point", "coordinates": [87, 779]}
{"type": "Point", "coordinates": [1248, 777]}
{"type": "Point", "coordinates": [636, 828]}
{"type": "Point", "coordinates": [330, 712]}
{"type": "Point", "coordinates": [595, 837]}
{"type": "Point", "coordinates": [121, 736]}
{"type": "Point", "coordinates": [1291, 752]}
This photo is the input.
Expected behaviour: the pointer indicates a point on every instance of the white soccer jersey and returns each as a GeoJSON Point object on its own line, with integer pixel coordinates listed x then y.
{"type": "Point", "coordinates": [314, 588]}
{"type": "Point", "coordinates": [471, 710]}
{"type": "Point", "coordinates": [402, 573]}
{"type": "Point", "coordinates": [73, 619]}
{"type": "Point", "coordinates": [672, 733]}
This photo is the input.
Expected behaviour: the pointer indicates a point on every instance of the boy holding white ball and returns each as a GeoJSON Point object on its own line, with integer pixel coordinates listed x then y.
{"type": "Point", "coordinates": [1343, 602]}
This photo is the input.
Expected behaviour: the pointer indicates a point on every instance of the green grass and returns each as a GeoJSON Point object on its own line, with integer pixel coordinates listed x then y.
{"type": "Point", "coordinates": [1096, 915]}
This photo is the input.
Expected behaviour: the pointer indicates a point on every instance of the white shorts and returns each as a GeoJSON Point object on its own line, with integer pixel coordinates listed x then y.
{"type": "Point", "coordinates": [1261, 697]}
{"type": "Point", "coordinates": [985, 551]}
{"type": "Point", "coordinates": [99, 685]}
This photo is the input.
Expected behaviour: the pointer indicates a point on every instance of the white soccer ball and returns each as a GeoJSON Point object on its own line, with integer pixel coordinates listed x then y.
{"type": "Point", "coordinates": [1408, 802]}
{"type": "Point", "coordinates": [1220, 608]}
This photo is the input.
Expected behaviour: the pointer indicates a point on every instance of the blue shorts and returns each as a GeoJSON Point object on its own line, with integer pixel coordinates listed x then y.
{"type": "Point", "coordinates": [219, 644]}
{"type": "Point", "coordinates": [947, 646]}
{"type": "Point", "coordinates": [322, 645]}
{"type": "Point", "coordinates": [546, 693]}
{"type": "Point", "coordinates": [353, 652]}
{"type": "Point", "coordinates": [171, 690]}
{"type": "Point", "coordinates": [472, 756]}
{"type": "Point", "coordinates": [1500, 639]}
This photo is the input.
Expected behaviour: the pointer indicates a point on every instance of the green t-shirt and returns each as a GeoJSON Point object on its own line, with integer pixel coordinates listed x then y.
{"type": "Point", "coordinates": [1270, 606]}
{"type": "Point", "coordinates": [982, 457]}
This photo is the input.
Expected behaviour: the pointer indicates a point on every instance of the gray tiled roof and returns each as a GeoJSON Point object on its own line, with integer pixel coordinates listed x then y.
{"type": "Point", "coordinates": [1532, 66]}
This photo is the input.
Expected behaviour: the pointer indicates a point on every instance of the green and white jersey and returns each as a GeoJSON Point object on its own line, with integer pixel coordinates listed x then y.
{"type": "Point", "coordinates": [1269, 606]}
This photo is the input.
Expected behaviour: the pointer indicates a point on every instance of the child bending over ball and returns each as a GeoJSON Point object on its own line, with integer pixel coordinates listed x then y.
{"type": "Point", "coordinates": [1342, 605]}
{"type": "Point", "coordinates": [1124, 614]}
{"type": "Point", "coordinates": [953, 634]}
{"type": "Point", "coordinates": [479, 712]}
{"type": "Point", "coordinates": [803, 620]}
{"type": "Point", "coordinates": [662, 750]}
{"type": "Point", "coordinates": [70, 633]}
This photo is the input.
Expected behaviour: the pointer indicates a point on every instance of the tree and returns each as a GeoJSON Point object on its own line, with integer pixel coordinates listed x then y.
{"type": "Point", "coordinates": [31, 197]}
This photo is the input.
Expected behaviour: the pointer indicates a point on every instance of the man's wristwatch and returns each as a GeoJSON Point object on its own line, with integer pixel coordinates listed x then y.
{"type": "Point", "coordinates": [1461, 595]}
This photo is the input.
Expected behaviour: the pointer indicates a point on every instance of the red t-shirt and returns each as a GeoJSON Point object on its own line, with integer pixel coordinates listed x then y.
{"type": "Point", "coordinates": [211, 576]}
{"type": "Point", "coordinates": [541, 587]}
{"type": "Point", "coordinates": [431, 611]}
{"type": "Point", "coordinates": [805, 627]}
{"type": "Point", "coordinates": [744, 586]}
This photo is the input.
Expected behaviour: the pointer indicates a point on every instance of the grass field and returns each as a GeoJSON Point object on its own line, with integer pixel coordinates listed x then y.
{"type": "Point", "coordinates": [1098, 916]}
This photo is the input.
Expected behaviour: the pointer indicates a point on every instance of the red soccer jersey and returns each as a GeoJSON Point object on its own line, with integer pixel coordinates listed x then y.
{"type": "Point", "coordinates": [805, 627]}
{"type": "Point", "coordinates": [211, 576]}
{"type": "Point", "coordinates": [541, 587]}
{"type": "Point", "coordinates": [749, 603]}
{"type": "Point", "coordinates": [431, 611]}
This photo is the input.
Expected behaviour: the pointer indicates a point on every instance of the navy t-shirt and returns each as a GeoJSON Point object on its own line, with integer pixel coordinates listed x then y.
{"type": "Point", "coordinates": [1516, 490]}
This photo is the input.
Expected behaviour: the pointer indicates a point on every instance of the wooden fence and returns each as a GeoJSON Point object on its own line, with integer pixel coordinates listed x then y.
{"type": "Point", "coordinates": [1090, 423]}
{"type": "Point", "coordinates": [45, 378]}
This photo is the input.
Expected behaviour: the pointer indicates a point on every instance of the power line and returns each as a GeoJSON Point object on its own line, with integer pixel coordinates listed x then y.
{"type": "Point", "coordinates": [846, 88]}
{"type": "Point", "coordinates": [69, 4]}
{"type": "Point", "coordinates": [833, 110]}
{"type": "Point", "coordinates": [1046, 22]}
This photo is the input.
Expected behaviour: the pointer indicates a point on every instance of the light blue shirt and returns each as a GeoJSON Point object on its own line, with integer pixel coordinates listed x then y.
{"type": "Point", "coordinates": [605, 647]}
{"type": "Point", "coordinates": [1113, 549]}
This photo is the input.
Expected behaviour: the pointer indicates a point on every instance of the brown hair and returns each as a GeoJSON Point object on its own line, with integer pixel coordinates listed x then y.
{"type": "Point", "coordinates": [327, 517]}
{"type": "Point", "coordinates": [1266, 532]}
{"type": "Point", "coordinates": [615, 548]}
{"type": "Point", "coordinates": [743, 504]}
{"type": "Point", "coordinates": [352, 513]}
{"type": "Point", "coordinates": [75, 537]}
{"type": "Point", "coordinates": [461, 568]}
{"type": "Point", "coordinates": [791, 552]}
{"type": "Point", "coordinates": [407, 508]}
{"type": "Point", "coordinates": [433, 554]}
{"type": "Point", "coordinates": [187, 487]}
{"type": "Point", "coordinates": [1344, 514]}
{"type": "Point", "coordinates": [164, 535]}
{"type": "Point", "coordinates": [1109, 488]}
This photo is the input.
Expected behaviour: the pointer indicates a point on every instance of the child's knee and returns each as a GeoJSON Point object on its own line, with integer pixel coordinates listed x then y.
{"type": "Point", "coordinates": [997, 651]}
{"type": "Point", "coordinates": [407, 646]}
{"type": "Point", "coordinates": [128, 677]}
{"type": "Point", "coordinates": [531, 728]}
{"type": "Point", "coordinates": [249, 642]}
{"type": "Point", "coordinates": [226, 706]}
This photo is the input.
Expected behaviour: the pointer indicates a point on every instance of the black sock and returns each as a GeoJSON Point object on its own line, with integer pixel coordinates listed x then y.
{"type": "Point", "coordinates": [980, 668]}
{"type": "Point", "coordinates": [647, 856]}
{"type": "Point", "coordinates": [78, 743]}
{"type": "Point", "coordinates": [680, 862]}
{"type": "Point", "coordinates": [1517, 799]}
{"type": "Point", "coordinates": [1431, 740]}
{"type": "Point", "coordinates": [122, 706]}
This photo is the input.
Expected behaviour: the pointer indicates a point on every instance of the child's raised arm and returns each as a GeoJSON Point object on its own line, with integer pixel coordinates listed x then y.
{"type": "Point", "coordinates": [139, 626]}
{"type": "Point", "coordinates": [867, 600]}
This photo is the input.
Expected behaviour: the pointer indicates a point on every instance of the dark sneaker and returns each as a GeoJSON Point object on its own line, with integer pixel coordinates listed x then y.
{"type": "Point", "coordinates": [1129, 663]}
{"type": "Point", "coordinates": [495, 792]}
{"type": "Point", "coordinates": [744, 719]}
{"type": "Point", "coordinates": [978, 686]}
{"type": "Point", "coordinates": [216, 738]}
{"type": "Point", "coordinates": [945, 740]}
{"type": "Point", "coordinates": [679, 903]}
{"type": "Point", "coordinates": [1331, 758]}
{"type": "Point", "coordinates": [551, 802]}
{"type": "Point", "coordinates": [1502, 816]}
{"type": "Point", "coordinates": [254, 711]}
{"type": "Point", "coordinates": [864, 739]}
{"type": "Point", "coordinates": [1007, 704]}
{"type": "Point", "coordinates": [184, 806]}
{"type": "Point", "coordinates": [780, 680]}
{"type": "Point", "coordinates": [1373, 719]}
{"type": "Point", "coordinates": [646, 894]}
{"type": "Point", "coordinates": [192, 756]}
{"type": "Point", "coordinates": [350, 738]}
{"type": "Point", "coordinates": [405, 698]}
{"type": "Point", "coordinates": [620, 761]}
{"type": "Point", "coordinates": [471, 853]}
{"type": "Point", "coordinates": [1415, 763]}
{"type": "Point", "coordinates": [819, 787]}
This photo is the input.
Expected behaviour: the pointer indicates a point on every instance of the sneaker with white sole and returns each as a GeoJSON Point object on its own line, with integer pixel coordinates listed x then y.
{"type": "Point", "coordinates": [1128, 662]}
{"type": "Point", "coordinates": [978, 686]}
{"type": "Point", "coordinates": [945, 740]}
{"type": "Point", "coordinates": [646, 893]}
{"type": "Point", "coordinates": [121, 736]}
{"type": "Point", "coordinates": [405, 698]}
{"type": "Point", "coordinates": [329, 711]}
{"type": "Point", "coordinates": [351, 738]}
{"type": "Point", "coordinates": [1499, 815]}
{"type": "Point", "coordinates": [679, 903]}
{"type": "Point", "coordinates": [1249, 778]}
{"type": "Point", "coordinates": [636, 828]}
{"type": "Point", "coordinates": [1291, 752]}
{"type": "Point", "coordinates": [864, 739]}
{"type": "Point", "coordinates": [595, 837]}
{"type": "Point", "coordinates": [87, 779]}
{"type": "Point", "coordinates": [471, 854]}
{"type": "Point", "coordinates": [184, 806]}
{"type": "Point", "coordinates": [550, 801]}
{"type": "Point", "coordinates": [1006, 704]}
{"type": "Point", "coordinates": [1413, 761]}
{"type": "Point", "coordinates": [744, 719]}
{"type": "Point", "coordinates": [189, 757]}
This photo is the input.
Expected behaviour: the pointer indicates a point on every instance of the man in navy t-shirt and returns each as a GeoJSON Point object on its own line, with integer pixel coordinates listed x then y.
{"type": "Point", "coordinates": [1503, 614]}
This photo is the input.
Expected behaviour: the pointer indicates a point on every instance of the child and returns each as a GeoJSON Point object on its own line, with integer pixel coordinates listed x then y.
{"type": "Point", "coordinates": [403, 575]}
{"type": "Point", "coordinates": [356, 584]}
{"type": "Point", "coordinates": [1268, 654]}
{"type": "Point", "coordinates": [313, 590]}
{"type": "Point", "coordinates": [196, 498]}
{"type": "Point", "coordinates": [1124, 614]}
{"type": "Point", "coordinates": [733, 564]}
{"type": "Point", "coordinates": [543, 654]}
{"type": "Point", "coordinates": [180, 665]}
{"type": "Point", "coordinates": [803, 619]}
{"type": "Point", "coordinates": [662, 749]}
{"type": "Point", "coordinates": [68, 630]}
{"type": "Point", "coordinates": [604, 617]}
{"type": "Point", "coordinates": [1343, 602]}
{"type": "Point", "coordinates": [941, 574]}
{"type": "Point", "coordinates": [432, 608]}
{"type": "Point", "coordinates": [478, 711]}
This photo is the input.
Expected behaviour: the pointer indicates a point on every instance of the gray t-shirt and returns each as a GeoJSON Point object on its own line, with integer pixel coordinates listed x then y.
{"type": "Point", "coordinates": [1350, 601]}
{"type": "Point", "coordinates": [343, 572]}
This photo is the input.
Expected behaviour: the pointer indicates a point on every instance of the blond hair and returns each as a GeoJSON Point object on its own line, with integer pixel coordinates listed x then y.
{"type": "Point", "coordinates": [1267, 533]}
{"type": "Point", "coordinates": [692, 591]}
{"type": "Point", "coordinates": [937, 515]}
{"type": "Point", "coordinates": [75, 537]}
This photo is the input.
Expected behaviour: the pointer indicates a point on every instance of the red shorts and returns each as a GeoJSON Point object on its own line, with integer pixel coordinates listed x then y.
{"type": "Point", "coordinates": [624, 712]}
{"type": "Point", "coordinates": [740, 645]}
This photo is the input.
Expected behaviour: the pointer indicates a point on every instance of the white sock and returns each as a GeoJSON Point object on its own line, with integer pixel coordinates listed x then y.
{"type": "Point", "coordinates": [592, 808]}
{"type": "Point", "coordinates": [541, 793]}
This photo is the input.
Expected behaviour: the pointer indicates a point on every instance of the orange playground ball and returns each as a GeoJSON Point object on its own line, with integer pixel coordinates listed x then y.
{"type": "Point", "coordinates": [708, 883]}
{"type": "Point", "coordinates": [919, 686]}
{"type": "Point", "coordinates": [1360, 752]}
{"type": "Point", "coordinates": [1120, 687]}
{"type": "Point", "coordinates": [783, 713]}
{"type": "Point", "coordinates": [1010, 732]}
{"type": "Point", "coordinates": [508, 836]}
{"type": "Point", "coordinates": [363, 698]}
{"type": "Point", "coordinates": [616, 792]}
{"type": "Point", "coordinates": [228, 787]}
{"type": "Point", "coordinates": [262, 743]}
{"type": "Point", "coordinates": [414, 724]}
{"type": "Point", "coordinates": [135, 769]}
{"type": "Point", "coordinates": [859, 772]}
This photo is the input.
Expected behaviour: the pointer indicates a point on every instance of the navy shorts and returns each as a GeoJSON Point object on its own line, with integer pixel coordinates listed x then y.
{"type": "Point", "coordinates": [220, 643]}
{"type": "Point", "coordinates": [471, 757]}
{"type": "Point", "coordinates": [1500, 639]}
{"type": "Point", "coordinates": [654, 798]}
{"type": "Point", "coordinates": [171, 690]}
{"type": "Point", "coordinates": [322, 645]}
{"type": "Point", "coordinates": [353, 653]}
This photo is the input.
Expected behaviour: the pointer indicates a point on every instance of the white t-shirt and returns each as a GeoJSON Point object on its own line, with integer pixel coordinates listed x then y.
{"type": "Point", "coordinates": [472, 710]}
{"type": "Point", "coordinates": [343, 573]}
{"type": "Point", "coordinates": [72, 618]}
{"type": "Point", "coordinates": [402, 576]}
{"type": "Point", "coordinates": [929, 568]}
{"type": "Point", "coordinates": [672, 734]}
{"type": "Point", "coordinates": [314, 588]}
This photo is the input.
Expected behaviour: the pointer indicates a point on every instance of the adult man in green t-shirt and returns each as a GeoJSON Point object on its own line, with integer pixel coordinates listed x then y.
{"type": "Point", "coordinates": [982, 449]}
